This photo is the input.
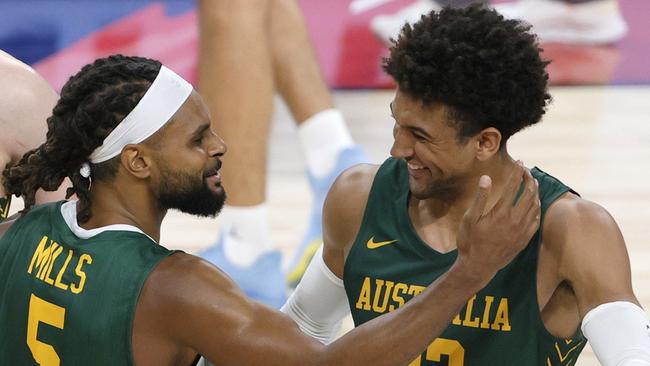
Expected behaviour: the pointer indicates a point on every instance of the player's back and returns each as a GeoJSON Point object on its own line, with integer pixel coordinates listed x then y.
{"type": "Point", "coordinates": [68, 295]}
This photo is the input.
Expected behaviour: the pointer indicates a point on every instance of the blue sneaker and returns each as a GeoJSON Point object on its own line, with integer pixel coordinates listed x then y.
{"type": "Point", "coordinates": [263, 280]}
{"type": "Point", "coordinates": [319, 187]}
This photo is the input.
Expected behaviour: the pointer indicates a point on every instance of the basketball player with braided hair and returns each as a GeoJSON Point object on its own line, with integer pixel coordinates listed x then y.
{"type": "Point", "coordinates": [26, 102]}
{"type": "Point", "coordinates": [87, 283]}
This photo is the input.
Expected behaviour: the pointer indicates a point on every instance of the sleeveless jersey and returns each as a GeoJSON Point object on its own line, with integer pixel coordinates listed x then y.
{"type": "Point", "coordinates": [501, 325]}
{"type": "Point", "coordinates": [68, 300]}
{"type": "Point", "coordinates": [5, 202]}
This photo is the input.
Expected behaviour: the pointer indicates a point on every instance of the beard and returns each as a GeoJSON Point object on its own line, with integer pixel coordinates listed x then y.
{"type": "Point", "coordinates": [445, 189]}
{"type": "Point", "coordinates": [185, 192]}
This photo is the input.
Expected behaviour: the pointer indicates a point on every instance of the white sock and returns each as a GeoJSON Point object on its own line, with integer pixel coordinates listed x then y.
{"type": "Point", "coordinates": [323, 136]}
{"type": "Point", "coordinates": [247, 233]}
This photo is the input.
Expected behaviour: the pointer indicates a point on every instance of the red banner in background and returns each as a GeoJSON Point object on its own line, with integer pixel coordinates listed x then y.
{"type": "Point", "coordinates": [349, 54]}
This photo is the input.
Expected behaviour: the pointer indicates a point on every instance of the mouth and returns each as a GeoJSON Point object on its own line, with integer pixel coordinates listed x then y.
{"type": "Point", "coordinates": [213, 177]}
{"type": "Point", "coordinates": [416, 170]}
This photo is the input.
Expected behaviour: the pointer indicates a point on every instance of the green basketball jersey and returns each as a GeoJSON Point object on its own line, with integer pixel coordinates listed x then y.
{"type": "Point", "coordinates": [68, 300]}
{"type": "Point", "coordinates": [501, 325]}
{"type": "Point", "coordinates": [5, 202]}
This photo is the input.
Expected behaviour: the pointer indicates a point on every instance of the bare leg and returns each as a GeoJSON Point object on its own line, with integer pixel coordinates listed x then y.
{"type": "Point", "coordinates": [297, 74]}
{"type": "Point", "coordinates": [326, 142]}
{"type": "Point", "coordinates": [236, 80]}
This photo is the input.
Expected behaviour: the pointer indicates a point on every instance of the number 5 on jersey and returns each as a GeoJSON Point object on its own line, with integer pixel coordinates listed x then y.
{"type": "Point", "coordinates": [48, 313]}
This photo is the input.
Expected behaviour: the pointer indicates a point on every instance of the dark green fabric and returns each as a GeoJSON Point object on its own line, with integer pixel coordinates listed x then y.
{"type": "Point", "coordinates": [382, 279]}
{"type": "Point", "coordinates": [98, 319]}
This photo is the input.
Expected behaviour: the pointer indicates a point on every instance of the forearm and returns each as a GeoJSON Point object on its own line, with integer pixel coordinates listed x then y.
{"type": "Point", "coordinates": [319, 303]}
{"type": "Point", "coordinates": [619, 333]}
{"type": "Point", "coordinates": [399, 337]}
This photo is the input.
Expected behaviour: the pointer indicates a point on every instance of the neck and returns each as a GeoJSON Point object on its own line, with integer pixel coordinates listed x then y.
{"type": "Point", "coordinates": [134, 206]}
{"type": "Point", "coordinates": [498, 168]}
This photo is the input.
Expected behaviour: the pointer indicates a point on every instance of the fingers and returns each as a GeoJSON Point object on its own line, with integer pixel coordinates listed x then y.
{"type": "Point", "coordinates": [478, 206]}
{"type": "Point", "coordinates": [532, 219]}
{"type": "Point", "coordinates": [511, 188]}
{"type": "Point", "coordinates": [529, 195]}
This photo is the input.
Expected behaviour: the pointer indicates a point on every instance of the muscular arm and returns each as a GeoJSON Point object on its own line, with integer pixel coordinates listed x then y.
{"type": "Point", "coordinates": [590, 251]}
{"type": "Point", "coordinates": [592, 260]}
{"type": "Point", "coordinates": [188, 304]}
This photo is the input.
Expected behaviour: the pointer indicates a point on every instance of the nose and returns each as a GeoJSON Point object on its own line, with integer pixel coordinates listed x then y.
{"type": "Point", "coordinates": [402, 143]}
{"type": "Point", "coordinates": [216, 147]}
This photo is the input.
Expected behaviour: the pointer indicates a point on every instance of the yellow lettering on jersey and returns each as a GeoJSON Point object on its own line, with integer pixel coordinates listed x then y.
{"type": "Point", "coordinates": [451, 348]}
{"type": "Point", "coordinates": [456, 320]}
{"type": "Point", "coordinates": [55, 254]}
{"type": "Point", "coordinates": [468, 321]}
{"type": "Point", "coordinates": [399, 287]}
{"type": "Point", "coordinates": [364, 297]}
{"type": "Point", "coordinates": [58, 282]}
{"type": "Point", "coordinates": [485, 324]}
{"type": "Point", "coordinates": [375, 304]}
{"type": "Point", "coordinates": [415, 290]}
{"type": "Point", "coordinates": [501, 320]}
{"type": "Point", "coordinates": [44, 259]}
{"type": "Point", "coordinates": [564, 357]}
{"type": "Point", "coordinates": [416, 362]}
{"type": "Point", "coordinates": [41, 254]}
{"type": "Point", "coordinates": [76, 289]}
{"type": "Point", "coordinates": [381, 296]}
{"type": "Point", "coordinates": [43, 270]}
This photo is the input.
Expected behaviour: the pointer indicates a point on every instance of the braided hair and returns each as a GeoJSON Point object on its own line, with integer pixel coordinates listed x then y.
{"type": "Point", "coordinates": [92, 104]}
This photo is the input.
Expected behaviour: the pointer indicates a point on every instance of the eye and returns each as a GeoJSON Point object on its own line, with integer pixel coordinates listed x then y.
{"type": "Point", "coordinates": [419, 137]}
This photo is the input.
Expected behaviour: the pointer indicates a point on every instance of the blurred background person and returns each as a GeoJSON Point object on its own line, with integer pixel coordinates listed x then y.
{"type": "Point", "coordinates": [564, 21]}
{"type": "Point", "coordinates": [249, 50]}
{"type": "Point", "coordinates": [25, 104]}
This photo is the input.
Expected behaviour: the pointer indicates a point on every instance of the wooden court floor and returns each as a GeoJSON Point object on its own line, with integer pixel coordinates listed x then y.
{"type": "Point", "coordinates": [595, 139]}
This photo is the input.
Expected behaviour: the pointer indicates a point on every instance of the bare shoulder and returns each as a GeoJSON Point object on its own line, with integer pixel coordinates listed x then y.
{"type": "Point", "coordinates": [26, 103]}
{"type": "Point", "coordinates": [184, 298]}
{"type": "Point", "coordinates": [572, 219]}
{"type": "Point", "coordinates": [184, 281]}
{"type": "Point", "coordinates": [22, 77]}
{"type": "Point", "coordinates": [345, 205]}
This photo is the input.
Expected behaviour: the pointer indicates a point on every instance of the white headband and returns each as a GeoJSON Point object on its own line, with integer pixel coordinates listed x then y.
{"type": "Point", "coordinates": [164, 97]}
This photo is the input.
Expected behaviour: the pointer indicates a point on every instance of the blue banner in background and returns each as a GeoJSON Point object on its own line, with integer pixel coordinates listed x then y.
{"type": "Point", "coordinates": [32, 30]}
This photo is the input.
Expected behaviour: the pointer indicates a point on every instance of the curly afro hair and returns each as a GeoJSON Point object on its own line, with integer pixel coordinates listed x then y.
{"type": "Point", "coordinates": [486, 68]}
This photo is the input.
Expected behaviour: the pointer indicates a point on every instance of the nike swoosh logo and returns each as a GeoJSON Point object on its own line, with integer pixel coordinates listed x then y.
{"type": "Point", "coordinates": [373, 245]}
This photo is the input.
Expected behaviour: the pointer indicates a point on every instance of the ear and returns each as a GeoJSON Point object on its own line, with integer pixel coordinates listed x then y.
{"type": "Point", "coordinates": [488, 141]}
{"type": "Point", "coordinates": [137, 161]}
